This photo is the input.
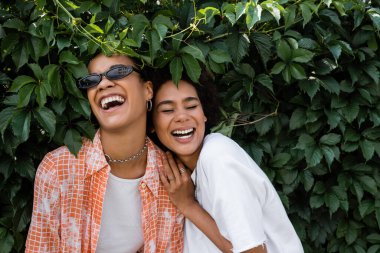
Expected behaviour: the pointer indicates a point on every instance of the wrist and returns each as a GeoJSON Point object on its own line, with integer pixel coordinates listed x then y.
{"type": "Point", "coordinates": [190, 208]}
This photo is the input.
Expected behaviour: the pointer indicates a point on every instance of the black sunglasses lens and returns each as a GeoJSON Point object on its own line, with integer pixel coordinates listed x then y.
{"type": "Point", "coordinates": [118, 72]}
{"type": "Point", "coordinates": [89, 81]}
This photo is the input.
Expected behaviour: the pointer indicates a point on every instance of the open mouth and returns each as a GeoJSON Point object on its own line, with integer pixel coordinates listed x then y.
{"type": "Point", "coordinates": [183, 134]}
{"type": "Point", "coordinates": [110, 102]}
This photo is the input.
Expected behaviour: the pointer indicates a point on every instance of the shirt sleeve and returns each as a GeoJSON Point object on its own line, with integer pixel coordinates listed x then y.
{"type": "Point", "coordinates": [44, 230]}
{"type": "Point", "coordinates": [237, 193]}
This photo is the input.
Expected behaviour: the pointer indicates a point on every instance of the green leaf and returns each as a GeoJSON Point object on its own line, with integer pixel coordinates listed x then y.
{"type": "Point", "coordinates": [47, 119]}
{"type": "Point", "coordinates": [109, 24]}
{"type": "Point", "coordinates": [20, 55]}
{"type": "Point", "coordinates": [237, 46]}
{"type": "Point", "coordinates": [25, 168]}
{"type": "Point", "coordinates": [54, 80]}
{"type": "Point", "coordinates": [24, 95]}
{"type": "Point", "coordinates": [264, 45]}
{"type": "Point", "coordinates": [289, 16]}
{"type": "Point", "coordinates": [239, 9]}
{"type": "Point", "coordinates": [21, 81]}
{"type": "Point", "coordinates": [374, 14]}
{"type": "Point", "coordinates": [36, 70]}
{"type": "Point", "coordinates": [263, 126]}
{"type": "Point", "coordinates": [253, 14]}
{"type": "Point", "coordinates": [332, 202]}
{"type": "Point", "coordinates": [316, 201]}
{"type": "Point", "coordinates": [87, 128]}
{"type": "Point", "coordinates": [302, 55]}
{"type": "Point", "coordinates": [297, 119]}
{"type": "Point", "coordinates": [311, 87]}
{"type": "Point", "coordinates": [368, 184]}
{"type": "Point", "coordinates": [92, 28]}
{"type": "Point", "coordinates": [81, 106]}
{"type": "Point", "coordinates": [6, 117]}
{"type": "Point", "coordinates": [68, 57]}
{"type": "Point", "coordinates": [15, 23]}
{"type": "Point", "coordinates": [273, 8]}
{"type": "Point", "coordinates": [368, 149]}
{"type": "Point", "coordinates": [176, 69]}
{"type": "Point", "coordinates": [265, 80]}
{"type": "Point", "coordinates": [6, 240]}
{"type": "Point", "coordinates": [305, 141]}
{"type": "Point", "coordinates": [21, 125]}
{"type": "Point", "coordinates": [351, 111]}
{"type": "Point", "coordinates": [288, 176]}
{"type": "Point", "coordinates": [330, 84]}
{"type": "Point", "coordinates": [335, 50]}
{"type": "Point", "coordinates": [192, 67]}
{"type": "Point", "coordinates": [313, 156]}
{"type": "Point", "coordinates": [73, 141]}
{"type": "Point", "coordinates": [278, 67]}
{"type": "Point", "coordinates": [154, 43]}
{"type": "Point", "coordinates": [308, 180]}
{"type": "Point", "coordinates": [373, 72]}
{"type": "Point", "coordinates": [220, 56]}
{"type": "Point", "coordinates": [297, 71]}
{"type": "Point", "coordinates": [41, 94]}
{"type": "Point", "coordinates": [283, 51]}
{"type": "Point", "coordinates": [306, 13]}
{"type": "Point", "coordinates": [329, 155]}
{"type": "Point", "coordinates": [195, 52]}
{"type": "Point", "coordinates": [279, 160]}
{"type": "Point", "coordinates": [331, 15]}
{"type": "Point", "coordinates": [330, 139]}
{"type": "Point", "coordinates": [176, 41]}
{"type": "Point", "coordinates": [162, 20]}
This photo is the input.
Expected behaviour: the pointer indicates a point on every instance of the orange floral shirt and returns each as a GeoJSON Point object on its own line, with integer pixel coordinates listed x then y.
{"type": "Point", "coordinates": [68, 200]}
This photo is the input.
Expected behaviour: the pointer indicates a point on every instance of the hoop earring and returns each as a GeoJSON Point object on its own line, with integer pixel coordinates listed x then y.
{"type": "Point", "coordinates": [149, 105]}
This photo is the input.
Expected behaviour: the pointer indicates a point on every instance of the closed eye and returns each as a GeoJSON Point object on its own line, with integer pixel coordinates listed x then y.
{"type": "Point", "coordinates": [167, 110]}
{"type": "Point", "coordinates": [191, 107]}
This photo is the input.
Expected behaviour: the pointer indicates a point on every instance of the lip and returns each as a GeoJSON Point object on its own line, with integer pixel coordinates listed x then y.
{"type": "Point", "coordinates": [188, 137]}
{"type": "Point", "coordinates": [107, 96]}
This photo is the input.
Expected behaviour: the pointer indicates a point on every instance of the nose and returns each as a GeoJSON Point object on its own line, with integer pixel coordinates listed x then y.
{"type": "Point", "coordinates": [105, 83]}
{"type": "Point", "coordinates": [181, 115]}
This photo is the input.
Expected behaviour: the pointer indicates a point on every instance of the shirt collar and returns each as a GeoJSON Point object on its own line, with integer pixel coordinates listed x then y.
{"type": "Point", "coordinates": [94, 156]}
{"type": "Point", "coordinates": [95, 161]}
{"type": "Point", "coordinates": [153, 165]}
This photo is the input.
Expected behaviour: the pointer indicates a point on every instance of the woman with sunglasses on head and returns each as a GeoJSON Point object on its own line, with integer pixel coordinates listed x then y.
{"type": "Point", "coordinates": [235, 207]}
{"type": "Point", "coordinates": [108, 198]}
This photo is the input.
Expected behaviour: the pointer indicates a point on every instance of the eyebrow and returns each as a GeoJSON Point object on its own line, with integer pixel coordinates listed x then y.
{"type": "Point", "coordinates": [170, 102]}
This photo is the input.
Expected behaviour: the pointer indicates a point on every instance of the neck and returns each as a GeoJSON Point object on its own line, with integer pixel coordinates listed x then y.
{"type": "Point", "coordinates": [121, 145]}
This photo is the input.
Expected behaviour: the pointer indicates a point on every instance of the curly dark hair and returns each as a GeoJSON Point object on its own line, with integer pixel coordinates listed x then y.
{"type": "Point", "coordinates": [206, 91]}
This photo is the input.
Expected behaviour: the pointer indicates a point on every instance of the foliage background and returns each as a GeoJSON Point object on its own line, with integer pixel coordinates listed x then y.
{"type": "Point", "coordinates": [299, 82]}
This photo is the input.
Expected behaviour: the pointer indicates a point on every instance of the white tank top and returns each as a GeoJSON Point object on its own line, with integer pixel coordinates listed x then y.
{"type": "Point", "coordinates": [121, 228]}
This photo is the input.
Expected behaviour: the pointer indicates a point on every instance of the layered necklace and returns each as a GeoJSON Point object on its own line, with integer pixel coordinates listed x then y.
{"type": "Point", "coordinates": [130, 158]}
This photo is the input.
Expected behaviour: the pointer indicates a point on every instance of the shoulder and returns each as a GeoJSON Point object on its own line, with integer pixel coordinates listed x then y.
{"type": "Point", "coordinates": [216, 145]}
{"type": "Point", "coordinates": [60, 158]}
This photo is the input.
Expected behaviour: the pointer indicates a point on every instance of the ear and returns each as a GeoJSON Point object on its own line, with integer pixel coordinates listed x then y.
{"type": "Point", "coordinates": [148, 90]}
{"type": "Point", "coordinates": [205, 119]}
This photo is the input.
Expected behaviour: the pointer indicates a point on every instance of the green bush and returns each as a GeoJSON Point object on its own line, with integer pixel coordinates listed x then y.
{"type": "Point", "coordinates": [299, 81]}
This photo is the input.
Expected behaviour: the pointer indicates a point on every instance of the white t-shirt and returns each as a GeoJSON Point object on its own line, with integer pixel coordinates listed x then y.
{"type": "Point", "coordinates": [241, 199]}
{"type": "Point", "coordinates": [121, 227]}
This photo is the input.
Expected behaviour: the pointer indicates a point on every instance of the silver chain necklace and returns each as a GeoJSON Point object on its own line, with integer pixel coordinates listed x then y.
{"type": "Point", "coordinates": [131, 158]}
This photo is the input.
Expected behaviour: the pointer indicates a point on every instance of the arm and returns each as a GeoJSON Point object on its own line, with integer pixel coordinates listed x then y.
{"type": "Point", "coordinates": [43, 235]}
{"type": "Point", "coordinates": [181, 192]}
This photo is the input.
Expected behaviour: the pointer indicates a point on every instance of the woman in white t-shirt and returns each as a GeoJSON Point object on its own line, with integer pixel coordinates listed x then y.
{"type": "Point", "coordinates": [235, 207]}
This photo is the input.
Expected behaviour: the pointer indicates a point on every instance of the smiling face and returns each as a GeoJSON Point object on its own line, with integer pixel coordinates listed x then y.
{"type": "Point", "coordinates": [118, 104]}
{"type": "Point", "coordinates": [179, 120]}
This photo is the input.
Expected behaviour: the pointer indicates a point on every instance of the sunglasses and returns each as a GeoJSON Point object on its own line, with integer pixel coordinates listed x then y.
{"type": "Point", "coordinates": [114, 73]}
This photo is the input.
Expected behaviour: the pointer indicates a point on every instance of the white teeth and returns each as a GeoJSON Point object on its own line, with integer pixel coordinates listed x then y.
{"type": "Point", "coordinates": [182, 132]}
{"type": "Point", "coordinates": [107, 100]}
